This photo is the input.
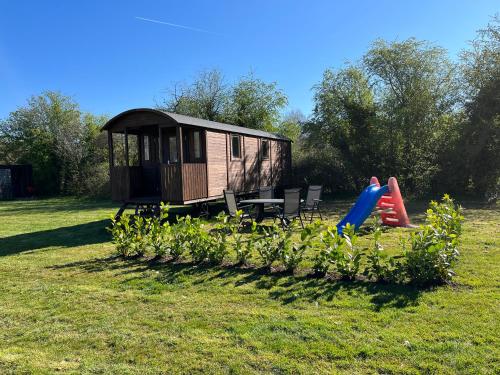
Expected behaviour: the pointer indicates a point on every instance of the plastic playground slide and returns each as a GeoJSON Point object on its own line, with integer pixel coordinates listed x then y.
{"type": "Point", "coordinates": [393, 202]}
{"type": "Point", "coordinates": [363, 206]}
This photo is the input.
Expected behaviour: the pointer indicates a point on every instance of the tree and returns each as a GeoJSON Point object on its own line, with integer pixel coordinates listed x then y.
{"type": "Point", "coordinates": [251, 102]}
{"type": "Point", "coordinates": [417, 89]}
{"type": "Point", "coordinates": [52, 135]}
{"type": "Point", "coordinates": [256, 104]}
{"type": "Point", "coordinates": [291, 125]}
{"type": "Point", "coordinates": [344, 120]}
{"type": "Point", "coordinates": [481, 135]}
{"type": "Point", "coordinates": [206, 97]}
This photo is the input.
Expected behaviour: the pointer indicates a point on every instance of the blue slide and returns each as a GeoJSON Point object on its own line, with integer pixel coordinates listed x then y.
{"type": "Point", "coordinates": [363, 207]}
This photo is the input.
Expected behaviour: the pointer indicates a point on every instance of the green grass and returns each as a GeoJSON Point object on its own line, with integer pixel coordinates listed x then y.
{"type": "Point", "coordinates": [66, 305]}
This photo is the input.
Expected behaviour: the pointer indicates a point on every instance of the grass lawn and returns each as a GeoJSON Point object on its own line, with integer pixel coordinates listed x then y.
{"type": "Point", "coordinates": [66, 305]}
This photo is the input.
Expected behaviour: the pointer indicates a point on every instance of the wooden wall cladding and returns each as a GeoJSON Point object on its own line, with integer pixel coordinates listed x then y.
{"type": "Point", "coordinates": [252, 163]}
{"type": "Point", "coordinates": [194, 181]}
{"type": "Point", "coordinates": [170, 180]}
{"type": "Point", "coordinates": [217, 167]}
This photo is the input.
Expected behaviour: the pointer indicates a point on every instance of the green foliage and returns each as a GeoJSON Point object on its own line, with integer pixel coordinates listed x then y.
{"type": "Point", "coordinates": [480, 137]}
{"type": "Point", "coordinates": [293, 252]}
{"type": "Point", "coordinates": [159, 233]}
{"type": "Point", "coordinates": [331, 244]}
{"type": "Point", "coordinates": [64, 146]}
{"type": "Point", "coordinates": [270, 245]}
{"type": "Point", "coordinates": [348, 261]}
{"type": "Point", "coordinates": [376, 256]}
{"type": "Point", "coordinates": [219, 248]}
{"type": "Point", "coordinates": [251, 102]}
{"type": "Point", "coordinates": [256, 104]}
{"type": "Point", "coordinates": [197, 240]}
{"type": "Point", "coordinates": [122, 234]}
{"type": "Point", "coordinates": [406, 97]}
{"type": "Point", "coordinates": [142, 240]}
{"type": "Point", "coordinates": [243, 249]}
{"type": "Point", "coordinates": [379, 265]}
{"type": "Point", "coordinates": [178, 237]}
{"type": "Point", "coordinates": [434, 248]}
{"type": "Point", "coordinates": [429, 257]}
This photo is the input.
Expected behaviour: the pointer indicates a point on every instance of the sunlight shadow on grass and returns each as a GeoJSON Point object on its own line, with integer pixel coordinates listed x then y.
{"type": "Point", "coordinates": [279, 286]}
{"type": "Point", "coordinates": [76, 235]}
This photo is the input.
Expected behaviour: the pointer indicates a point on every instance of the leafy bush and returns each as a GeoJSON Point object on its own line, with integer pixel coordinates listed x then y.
{"type": "Point", "coordinates": [219, 246]}
{"type": "Point", "coordinates": [331, 245]}
{"type": "Point", "coordinates": [159, 233]}
{"type": "Point", "coordinates": [122, 234]}
{"type": "Point", "coordinates": [196, 239]}
{"type": "Point", "coordinates": [292, 253]}
{"type": "Point", "coordinates": [428, 256]}
{"type": "Point", "coordinates": [379, 265]}
{"type": "Point", "coordinates": [178, 235]}
{"type": "Point", "coordinates": [434, 248]}
{"type": "Point", "coordinates": [268, 245]}
{"type": "Point", "coordinates": [142, 240]}
{"type": "Point", "coordinates": [243, 250]}
{"type": "Point", "coordinates": [348, 261]}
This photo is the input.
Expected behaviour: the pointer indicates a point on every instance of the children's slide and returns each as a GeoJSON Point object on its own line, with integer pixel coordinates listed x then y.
{"type": "Point", "coordinates": [363, 206]}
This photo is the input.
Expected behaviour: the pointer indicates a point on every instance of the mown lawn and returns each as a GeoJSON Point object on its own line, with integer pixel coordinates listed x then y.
{"type": "Point", "coordinates": [67, 305]}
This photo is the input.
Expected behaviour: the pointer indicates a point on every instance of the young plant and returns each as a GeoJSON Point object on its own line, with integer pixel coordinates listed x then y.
{"type": "Point", "coordinates": [122, 234]}
{"type": "Point", "coordinates": [292, 253]}
{"type": "Point", "coordinates": [376, 268]}
{"type": "Point", "coordinates": [219, 246]}
{"type": "Point", "coordinates": [331, 245]}
{"type": "Point", "coordinates": [159, 233]}
{"type": "Point", "coordinates": [142, 240]}
{"type": "Point", "coordinates": [434, 248]}
{"type": "Point", "coordinates": [242, 249]}
{"type": "Point", "coordinates": [348, 261]}
{"type": "Point", "coordinates": [267, 245]}
{"type": "Point", "coordinates": [197, 239]}
{"type": "Point", "coordinates": [178, 237]}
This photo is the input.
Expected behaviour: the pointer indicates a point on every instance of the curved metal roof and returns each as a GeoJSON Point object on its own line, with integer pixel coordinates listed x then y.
{"type": "Point", "coordinates": [194, 121]}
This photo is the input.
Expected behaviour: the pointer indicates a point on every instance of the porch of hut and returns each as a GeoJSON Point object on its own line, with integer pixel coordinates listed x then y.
{"type": "Point", "coordinates": [162, 162]}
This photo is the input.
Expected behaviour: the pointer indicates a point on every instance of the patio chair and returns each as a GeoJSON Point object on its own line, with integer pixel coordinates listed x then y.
{"type": "Point", "coordinates": [232, 207]}
{"type": "Point", "coordinates": [291, 208]}
{"type": "Point", "coordinates": [267, 192]}
{"type": "Point", "coordinates": [312, 202]}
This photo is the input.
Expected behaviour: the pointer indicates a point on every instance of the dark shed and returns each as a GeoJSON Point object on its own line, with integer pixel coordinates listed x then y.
{"type": "Point", "coordinates": [16, 181]}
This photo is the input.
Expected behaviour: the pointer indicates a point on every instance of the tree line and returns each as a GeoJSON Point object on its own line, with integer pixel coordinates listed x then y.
{"type": "Point", "coordinates": [405, 109]}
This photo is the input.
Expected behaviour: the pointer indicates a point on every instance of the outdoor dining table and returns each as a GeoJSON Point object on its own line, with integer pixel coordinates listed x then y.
{"type": "Point", "coordinates": [259, 205]}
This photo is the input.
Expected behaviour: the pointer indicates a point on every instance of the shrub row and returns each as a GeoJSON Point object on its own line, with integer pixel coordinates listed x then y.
{"type": "Point", "coordinates": [427, 256]}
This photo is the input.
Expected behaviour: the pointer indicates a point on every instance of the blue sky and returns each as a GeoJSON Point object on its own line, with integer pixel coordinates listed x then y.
{"type": "Point", "coordinates": [108, 60]}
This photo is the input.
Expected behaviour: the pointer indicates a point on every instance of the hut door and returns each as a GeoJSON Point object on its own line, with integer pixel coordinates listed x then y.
{"type": "Point", "coordinates": [151, 167]}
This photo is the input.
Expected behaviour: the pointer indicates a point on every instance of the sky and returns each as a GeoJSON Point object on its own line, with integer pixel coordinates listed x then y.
{"type": "Point", "coordinates": [111, 56]}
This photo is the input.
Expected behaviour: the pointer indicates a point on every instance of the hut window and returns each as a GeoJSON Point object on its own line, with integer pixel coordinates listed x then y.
{"type": "Point", "coordinates": [264, 148]}
{"type": "Point", "coordinates": [235, 147]}
{"type": "Point", "coordinates": [146, 147]}
{"type": "Point", "coordinates": [133, 150]}
{"type": "Point", "coordinates": [197, 144]}
{"type": "Point", "coordinates": [172, 149]}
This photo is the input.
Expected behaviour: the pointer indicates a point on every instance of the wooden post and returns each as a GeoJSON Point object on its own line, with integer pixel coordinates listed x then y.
{"type": "Point", "coordinates": [160, 145]}
{"type": "Point", "coordinates": [110, 147]}
{"type": "Point", "coordinates": [205, 134]}
{"type": "Point", "coordinates": [126, 148]}
{"type": "Point", "coordinates": [180, 150]}
{"type": "Point", "coordinates": [243, 154]}
{"type": "Point", "coordinates": [180, 157]}
{"type": "Point", "coordinates": [228, 155]}
{"type": "Point", "coordinates": [269, 150]}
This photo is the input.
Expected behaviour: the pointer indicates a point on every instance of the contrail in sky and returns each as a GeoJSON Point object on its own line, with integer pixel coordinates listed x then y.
{"type": "Point", "coordinates": [176, 25]}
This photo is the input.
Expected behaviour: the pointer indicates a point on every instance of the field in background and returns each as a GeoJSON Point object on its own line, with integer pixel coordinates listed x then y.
{"type": "Point", "coordinates": [67, 305]}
